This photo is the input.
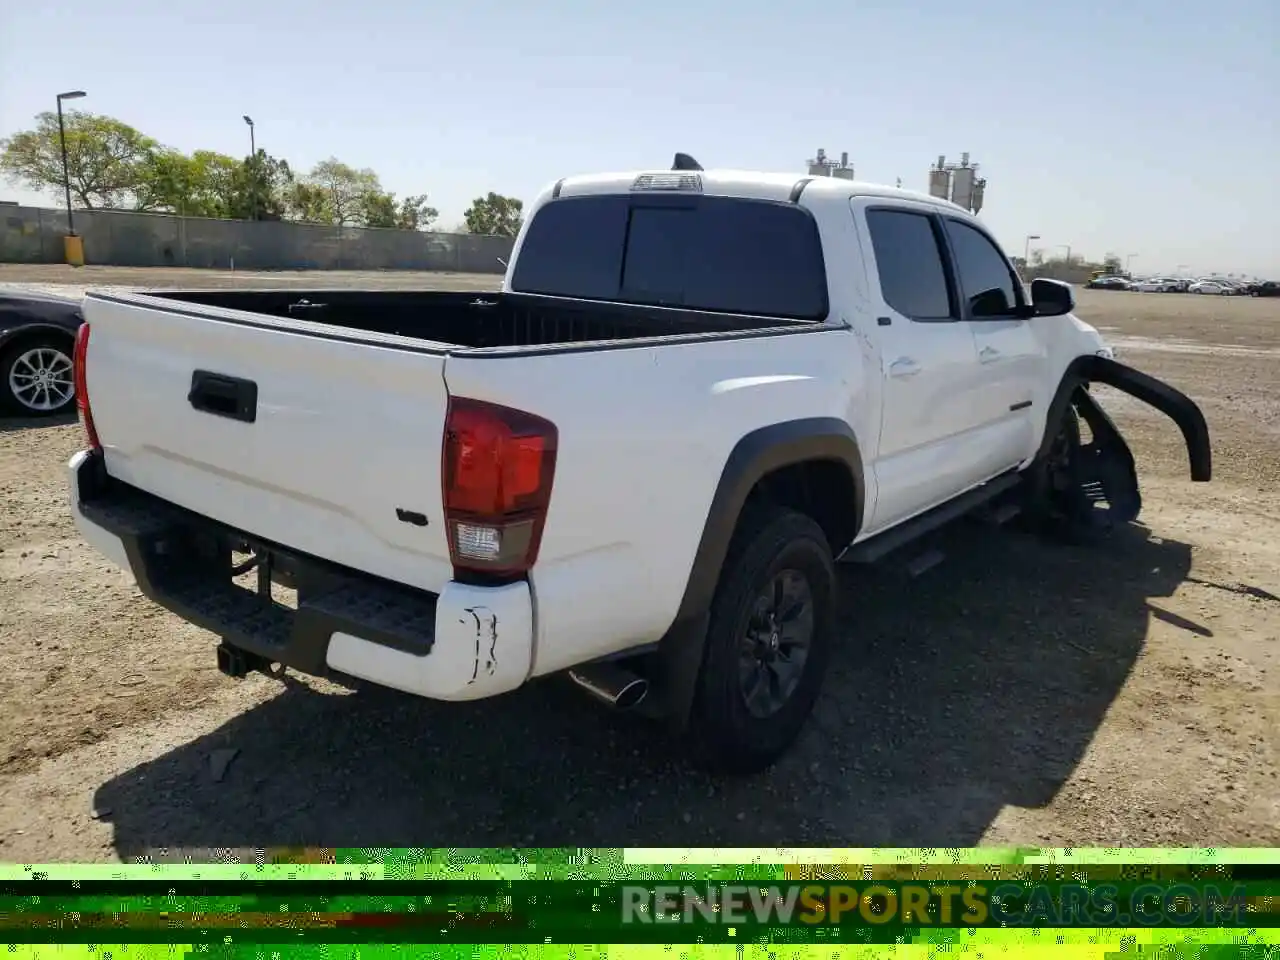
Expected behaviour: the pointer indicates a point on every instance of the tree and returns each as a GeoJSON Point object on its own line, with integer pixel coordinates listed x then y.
{"type": "Point", "coordinates": [201, 185]}
{"type": "Point", "coordinates": [308, 203]}
{"type": "Point", "coordinates": [1111, 264]}
{"type": "Point", "coordinates": [494, 215]}
{"type": "Point", "coordinates": [416, 214]}
{"type": "Point", "coordinates": [113, 165]}
{"type": "Point", "coordinates": [345, 189]}
{"type": "Point", "coordinates": [260, 188]}
{"type": "Point", "coordinates": [106, 158]}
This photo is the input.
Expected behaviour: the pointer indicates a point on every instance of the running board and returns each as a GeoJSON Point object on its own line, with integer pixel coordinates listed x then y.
{"type": "Point", "coordinates": [879, 546]}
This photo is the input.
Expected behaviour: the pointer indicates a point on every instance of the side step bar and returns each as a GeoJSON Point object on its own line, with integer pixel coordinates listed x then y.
{"type": "Point", "coordinates": [877, 547]}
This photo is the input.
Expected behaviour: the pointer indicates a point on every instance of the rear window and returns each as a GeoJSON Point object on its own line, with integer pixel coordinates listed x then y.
{"type": "Point", "coordinates": [720, 254]}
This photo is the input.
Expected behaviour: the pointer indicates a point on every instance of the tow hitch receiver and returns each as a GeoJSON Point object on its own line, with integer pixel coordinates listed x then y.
{"type": "Point", "coordinates": [238, 663]}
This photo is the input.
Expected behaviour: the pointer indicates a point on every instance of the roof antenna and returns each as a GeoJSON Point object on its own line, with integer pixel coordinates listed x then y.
{"type": "Point", "coordinates": [685, 162]}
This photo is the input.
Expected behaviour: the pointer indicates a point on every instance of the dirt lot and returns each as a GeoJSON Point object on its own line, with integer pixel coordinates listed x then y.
{"type": "Point", "coordinates": [1021, 693]}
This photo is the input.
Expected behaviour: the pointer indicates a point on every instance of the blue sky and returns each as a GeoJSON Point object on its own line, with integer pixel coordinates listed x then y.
{"type": "Point", "coordinates": [1139, 127]}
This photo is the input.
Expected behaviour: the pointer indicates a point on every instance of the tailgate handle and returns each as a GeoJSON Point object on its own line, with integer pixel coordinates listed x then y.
{"type": "Point", "coordinates": [224, 396]}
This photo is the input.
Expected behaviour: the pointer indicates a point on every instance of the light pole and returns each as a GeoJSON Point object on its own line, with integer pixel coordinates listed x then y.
{"type": "Point", "coordinates": [1126, 261]}
{"type": "Point", "coordinates": [1026, 249]}
{"type": "Point", "coordinates": [253, 169]}
{"type": "Point", "coordinates": [1067, 247]}
{"type": "Point", "coordinates": [66, 170]}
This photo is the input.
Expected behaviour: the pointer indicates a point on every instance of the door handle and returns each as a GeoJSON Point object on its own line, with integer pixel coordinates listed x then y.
{"type": "Point", "coordinates": [904, 367]}
{"type": "Point", "coordinates": [224, 396]}
{"type": "Point", "coordinates": [987, 354]}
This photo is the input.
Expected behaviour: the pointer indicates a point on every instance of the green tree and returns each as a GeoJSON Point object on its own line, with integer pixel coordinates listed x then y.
{"type": "Point", "coordinates": [416, 214]}
{"type": "Point", "coordinates": [113, 165]}
{"type": "Point", "coordinates": [260, 188]}
{"type": "Point", "coordinates": [200, 185]}
{"type": "Point", "coordinates": [345, 189]}
{"type": "Point", "coordinates": [378, 209]}
{"type": "Point", "coordinates": [106, 158]}
{"type": "Point", "coordinates": [1111, 264]}
{"type": "Point", "coordinates": [495, 216]}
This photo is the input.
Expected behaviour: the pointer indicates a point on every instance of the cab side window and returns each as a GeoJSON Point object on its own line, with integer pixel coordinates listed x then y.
{"type": "Point", "coordinates": [986, 279]}
{"type": "Point", "coordinates": [909, 261]}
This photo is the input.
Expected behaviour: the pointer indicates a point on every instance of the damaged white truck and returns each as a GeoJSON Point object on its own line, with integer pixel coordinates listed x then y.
{"type": "Point", "coordinates": [636, 464]}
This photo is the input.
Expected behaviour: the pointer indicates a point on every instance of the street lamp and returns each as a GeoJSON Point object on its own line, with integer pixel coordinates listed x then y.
{"type": "Point", "coordinates": [1026, 249]}
{"type": "Point", "coordinates": [66, 170]}
{"type": "Point", "coordinates": [253, 158]}
{"type": "Point", "coordinates": [1067, 247]}
{"type": "Point", "coordinates": [1126, 261]}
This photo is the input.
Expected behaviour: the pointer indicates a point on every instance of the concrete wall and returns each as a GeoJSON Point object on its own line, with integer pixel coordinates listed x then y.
{"type": "Point", "coordinates": [127, 239]}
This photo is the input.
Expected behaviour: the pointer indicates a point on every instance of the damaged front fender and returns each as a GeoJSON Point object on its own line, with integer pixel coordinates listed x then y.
{"type": "Point", "coordinates": [1174, 404]}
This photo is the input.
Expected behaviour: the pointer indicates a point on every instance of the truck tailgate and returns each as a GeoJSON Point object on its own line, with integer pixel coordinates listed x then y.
{"type": "Point", "coordinates": [299, 434]}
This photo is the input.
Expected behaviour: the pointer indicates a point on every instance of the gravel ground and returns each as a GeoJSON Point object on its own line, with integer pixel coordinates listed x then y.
{"type": "Point", "coordinates": [1020, 693]}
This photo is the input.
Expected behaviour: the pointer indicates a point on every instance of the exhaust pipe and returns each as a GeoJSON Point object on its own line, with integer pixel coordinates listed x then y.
{"type": "Point", "coordinates": [609, 683]}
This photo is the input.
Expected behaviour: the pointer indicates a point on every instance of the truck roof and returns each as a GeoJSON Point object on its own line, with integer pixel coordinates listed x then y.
{"type": "Point", "coordinates": [747, 184]}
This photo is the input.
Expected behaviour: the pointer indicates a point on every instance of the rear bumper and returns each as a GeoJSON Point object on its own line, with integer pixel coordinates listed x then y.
{"type": "Point", "coordinates": [465, 643]}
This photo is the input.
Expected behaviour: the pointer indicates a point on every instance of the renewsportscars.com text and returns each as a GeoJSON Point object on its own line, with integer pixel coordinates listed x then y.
{"type": "Point", "coordinates": [1002, 904]}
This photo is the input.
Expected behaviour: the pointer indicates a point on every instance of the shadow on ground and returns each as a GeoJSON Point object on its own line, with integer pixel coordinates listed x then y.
{"type": "Point", "coordinates": [10, 423]}
{"type": "Point", "coordinates": [979, 685]}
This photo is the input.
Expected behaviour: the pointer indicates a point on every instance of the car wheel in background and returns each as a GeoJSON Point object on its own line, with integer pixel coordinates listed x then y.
{"type": "Point", "coordinates": [36, 377]}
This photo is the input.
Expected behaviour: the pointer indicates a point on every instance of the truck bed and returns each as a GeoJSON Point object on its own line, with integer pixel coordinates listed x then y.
{"type": "Point", "coordinates": [478, 319]}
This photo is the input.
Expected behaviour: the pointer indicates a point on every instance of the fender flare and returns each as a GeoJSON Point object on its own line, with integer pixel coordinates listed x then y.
{"type": "Point", "coordinates": [1174, 404]}
{"type": "Point", "coordinates": [33, 328]}
{"type": "Point", "coordinates": [754, 456]}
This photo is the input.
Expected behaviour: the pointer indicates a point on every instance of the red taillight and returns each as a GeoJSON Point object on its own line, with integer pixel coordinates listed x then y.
{"type": "Point", "coordinates": [496, 468]}
{"type": "Point", "coordinates": [80, 382]}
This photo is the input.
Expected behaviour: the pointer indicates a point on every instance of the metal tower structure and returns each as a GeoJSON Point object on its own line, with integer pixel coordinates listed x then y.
{"type": "Point", "coordinates": [824, 166]}
{"type": "Point", "coordinates": [958, 182]}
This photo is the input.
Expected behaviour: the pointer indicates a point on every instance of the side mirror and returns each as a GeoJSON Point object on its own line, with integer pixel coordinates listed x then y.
{"type": "Point", "coordinates": [1051, 298]}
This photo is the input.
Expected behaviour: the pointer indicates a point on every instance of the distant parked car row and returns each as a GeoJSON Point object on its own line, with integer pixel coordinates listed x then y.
{"type": "Point", "coordinates": [1209, 286]}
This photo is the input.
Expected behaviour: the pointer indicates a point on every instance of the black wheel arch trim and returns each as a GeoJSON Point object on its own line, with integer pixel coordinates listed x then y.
{"type": "Point", "coordinates": [1174, 404]}
{"type": "Point", "coordinates": [753, 457]}
{"type": "Point", "coordinates": [18, 333]}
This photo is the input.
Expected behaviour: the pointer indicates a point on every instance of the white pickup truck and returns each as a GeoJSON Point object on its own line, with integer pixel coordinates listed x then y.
{"type": "Point", "coordinates": [635, 465]}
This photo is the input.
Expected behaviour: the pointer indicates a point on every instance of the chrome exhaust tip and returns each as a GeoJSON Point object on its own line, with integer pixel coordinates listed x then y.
{"type": "Point", "coordinates": [610, 684]}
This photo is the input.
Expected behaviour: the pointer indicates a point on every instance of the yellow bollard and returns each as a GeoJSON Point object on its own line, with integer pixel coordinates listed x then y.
{"type": "Point", "coordinates": [73, 248]}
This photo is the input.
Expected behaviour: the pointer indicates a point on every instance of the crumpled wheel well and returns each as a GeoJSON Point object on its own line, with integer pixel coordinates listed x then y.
{"type": "Point", "coordinates": [1174, 404]}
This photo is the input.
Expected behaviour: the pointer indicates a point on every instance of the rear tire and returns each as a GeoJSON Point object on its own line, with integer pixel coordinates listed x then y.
{"type": "Point", "coordinates": [768, 645]}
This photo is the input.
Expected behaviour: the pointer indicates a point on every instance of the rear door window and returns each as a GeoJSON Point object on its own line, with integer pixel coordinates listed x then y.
{"type": "Point", "coordinates": [720, 254]}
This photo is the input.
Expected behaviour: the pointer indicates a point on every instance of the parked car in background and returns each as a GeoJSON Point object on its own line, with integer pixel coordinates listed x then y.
{"type": "Point", "coordinates": [1155, 285]}
{"type": "Point", "coordinates": [1108, 283]}
{"type": "Point", "coordinates": [1218, 288]}
{"type": "Point", "coordinates": [1266, 288]}
{"type": "Point", "coordinates": [37, 337]}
